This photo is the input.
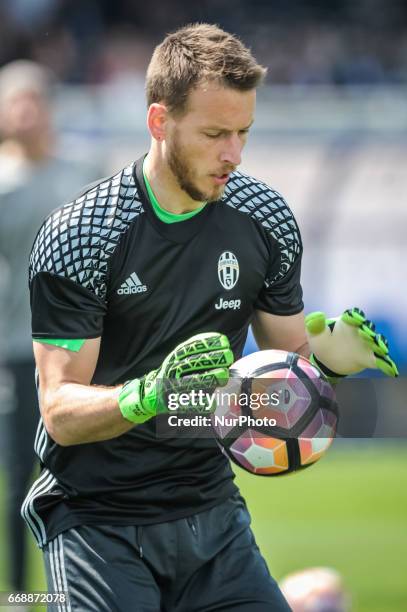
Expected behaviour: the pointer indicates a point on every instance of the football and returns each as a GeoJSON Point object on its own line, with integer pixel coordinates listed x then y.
{"type": "Point", "coordinates": [277, 414]}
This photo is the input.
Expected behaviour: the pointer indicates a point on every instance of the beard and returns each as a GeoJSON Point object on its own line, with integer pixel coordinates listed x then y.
{"type": "Point", "coordinates": [178, 163]}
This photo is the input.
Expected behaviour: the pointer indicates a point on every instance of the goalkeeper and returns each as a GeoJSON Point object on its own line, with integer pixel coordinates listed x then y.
{"type": "Point", "coordinates": [147, 283]}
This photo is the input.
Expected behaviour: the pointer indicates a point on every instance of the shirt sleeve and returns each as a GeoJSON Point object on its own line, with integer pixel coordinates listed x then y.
{"type": "Point", "coordinates": [281, 293]}
{"type": "Point", "coordinates": [61, 308]}
{"type": "Point", "coordinates": [67, 278]}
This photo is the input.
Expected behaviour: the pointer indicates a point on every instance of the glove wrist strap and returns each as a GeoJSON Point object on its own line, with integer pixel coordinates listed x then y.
{"type": "Point", "coordinates": [131, 403]}
{"type": "Point", "coordinates": [332, 377]}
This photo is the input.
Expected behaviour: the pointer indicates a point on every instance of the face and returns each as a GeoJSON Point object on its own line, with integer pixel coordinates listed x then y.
{"type": "Point", "coordinates": [204, 145]}
{"type": "Point", "coordinates": [24, 115]}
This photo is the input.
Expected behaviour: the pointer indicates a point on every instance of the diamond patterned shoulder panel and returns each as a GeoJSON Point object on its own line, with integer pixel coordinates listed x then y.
{"type": "Point", "coordinates": [77, 239]}
{"type": "Point", "coordinates": [269, 208]}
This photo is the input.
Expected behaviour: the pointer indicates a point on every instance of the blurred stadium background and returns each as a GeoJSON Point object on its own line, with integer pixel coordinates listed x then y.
{"type": "Point", "coordinates": [331, 136]}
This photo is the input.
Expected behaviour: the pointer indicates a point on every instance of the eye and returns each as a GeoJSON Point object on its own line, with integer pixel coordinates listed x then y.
{"type": "Point", "coordinates": [213, 134]}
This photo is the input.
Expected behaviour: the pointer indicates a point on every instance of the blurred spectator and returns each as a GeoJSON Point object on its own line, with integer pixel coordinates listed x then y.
{"type": "Point", "coordinates": [33, 181]}
{"type": "Point", "coordinates": [301, 42]}
{"type": "Point", "coordinates": [32, 13]}
{"type": "Point", "coordinates": [317, 589]}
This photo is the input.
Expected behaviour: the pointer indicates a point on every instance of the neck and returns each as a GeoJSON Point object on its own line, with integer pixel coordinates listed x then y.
{"type": "Point", "coordinates": [165, 185]}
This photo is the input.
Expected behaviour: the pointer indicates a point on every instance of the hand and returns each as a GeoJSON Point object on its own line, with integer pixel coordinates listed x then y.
{"type": "Point", "coordinates": [202, 362]}
{"type": "Point", "coordinates": [347, 344]}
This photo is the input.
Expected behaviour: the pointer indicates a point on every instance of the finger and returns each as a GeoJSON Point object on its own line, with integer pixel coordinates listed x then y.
{"type": "Point", "coordinates": [315, 323]}
{"type": "Point", "coordinates": [201, 343]}
{"type": "Point", "coordinates": [221, 376]}
{"type": "Point", "coordinates": [201, 361]}
{"type": "Point", "coordinates": [383, 343]}
{"type": "Point", "coordinates": [387, 366]}
{"type": "Point", "coordinates": [366, 333]}
{"type": "Point", "coordinates": [369, 325]}
{"type": "Point", "coordinates": [207, 382]}
{"type": "Point", "coordinates": [354, 316]}
{"type": "Point", "coordinates": [376, 342]}
{"type": "Point", "coordinates": [358, 313]}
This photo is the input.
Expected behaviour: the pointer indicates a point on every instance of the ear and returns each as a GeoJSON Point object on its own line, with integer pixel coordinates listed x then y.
{"type": "Point", "coordinates": [157, 117]}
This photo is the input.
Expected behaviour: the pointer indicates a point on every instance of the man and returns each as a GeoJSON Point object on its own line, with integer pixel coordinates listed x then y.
{"type": "Point", "coordinates": [33, 178]}
{"type": "Point", "coordinates": [128, 303]}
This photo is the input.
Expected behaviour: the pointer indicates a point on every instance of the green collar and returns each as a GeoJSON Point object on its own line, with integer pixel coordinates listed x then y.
{"type": "Point", "coordinates": [164, 215]}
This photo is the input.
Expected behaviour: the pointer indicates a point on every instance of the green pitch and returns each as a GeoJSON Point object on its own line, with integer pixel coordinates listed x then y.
{"type": "Point", "coordinates": [348, 512]}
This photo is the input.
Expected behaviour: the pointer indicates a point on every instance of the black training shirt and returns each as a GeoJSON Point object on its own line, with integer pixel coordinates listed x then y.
{"type": "Point", "coordinates": [105, 265]}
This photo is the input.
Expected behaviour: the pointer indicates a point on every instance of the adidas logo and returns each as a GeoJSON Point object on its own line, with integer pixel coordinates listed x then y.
{"type": "Point", "coordinates": [132, 285]}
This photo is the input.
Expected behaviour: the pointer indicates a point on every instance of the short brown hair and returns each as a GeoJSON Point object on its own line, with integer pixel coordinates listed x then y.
{"type": "Point", "coordinates": [197, 53]}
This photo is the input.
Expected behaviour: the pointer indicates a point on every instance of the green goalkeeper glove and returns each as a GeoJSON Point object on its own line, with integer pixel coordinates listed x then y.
{"type": "Point", "coordinates": [202, 362]}
{"type": "Point", "coordinates": [347, 344]}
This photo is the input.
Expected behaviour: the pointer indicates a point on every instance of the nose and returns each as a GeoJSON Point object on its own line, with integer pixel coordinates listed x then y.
{"type": "Point", "coordinates": [232, 150]}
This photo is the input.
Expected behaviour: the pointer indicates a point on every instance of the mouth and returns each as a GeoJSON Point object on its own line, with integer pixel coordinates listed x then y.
{"type": "Point", "coordinates": [220, 179]}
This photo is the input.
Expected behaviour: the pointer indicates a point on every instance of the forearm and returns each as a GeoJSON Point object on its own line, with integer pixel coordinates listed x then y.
{"type": "Point", "coordinates": [76, 414]}
{"type": "Point", "coordinates": [285, 333]}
